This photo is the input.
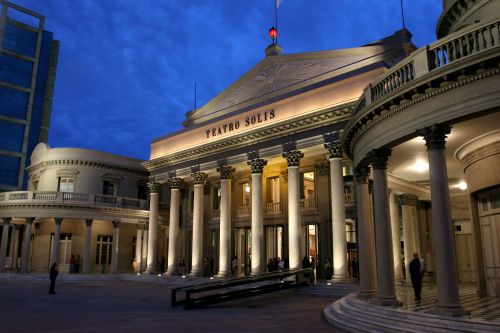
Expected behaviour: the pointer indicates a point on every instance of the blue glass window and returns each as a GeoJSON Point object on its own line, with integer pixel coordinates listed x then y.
{"type": "Point", "coordinates": [19, 40]}
{"type": "Point", "coordinates": [15, 70]}
{"type": "Point", "coordinates": [12, 136]}
{"type": "Point", "coordinates": [9, 170]}
{"type": "Point", "coordinates": [13, 103]}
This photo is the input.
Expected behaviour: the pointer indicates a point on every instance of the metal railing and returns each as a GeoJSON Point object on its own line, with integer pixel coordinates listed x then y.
{"type": "Point", "coordinates": [454, 47]}
{"type": "Point", "coordinates": [72, 197]}
{"type": "Point", "coordinates": [224, 290]}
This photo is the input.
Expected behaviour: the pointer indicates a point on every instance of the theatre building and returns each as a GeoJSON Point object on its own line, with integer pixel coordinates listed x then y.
{"type": "Point", "coordinates": [258, 172]}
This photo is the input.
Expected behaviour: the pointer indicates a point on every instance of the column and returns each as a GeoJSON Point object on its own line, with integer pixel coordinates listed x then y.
{"type": "Point", "coordinates": [386, 294]}
{"type": "Point", "coordinates": [138, 248]}
{"type": "Point", "coordinates": [197, 255]}
{"type": "Point", "coordinates": [407, 201]}
{"type": "Point", "coordinates": [15, 246]}
{"type": "Point", "coordinates": [173, 228]}
{"type": "Point", "coordinates": [114, 249]}
{"type": "Point", "coordinates": [144, 259]}
{"type": "Point", "coordinates": [5, 239]}
{"type": "Point", "coordinates": [258, 264]}
{"type": "Point", "coordinates": [340, 264]}
{"type": "Point", "coordinates": [226, 173]}
{"type": "Point", "coordinates": [25, 256]}
{"type": "Point", "coordinates": [86, 247]}
{"type": "Point", "coordinates": [442, 228]}
{"type": "Point", "coordinates": [293, 158]}
{"type": "Point", "coordinates": [57, 238]}
{"type": "Point", "coordinates": [396, 238]}
{"type": "Point", "coordinates": [154, 190]}
{"type": "Point", "coordinates": [366, 238]}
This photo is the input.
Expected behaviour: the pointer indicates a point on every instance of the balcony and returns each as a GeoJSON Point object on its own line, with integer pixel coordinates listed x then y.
{"type": "Point", "coordinates": [273, 208]}
{"type": "Point", "coordinates": [308, 204]}
{"type": "Point", "coordinates": [70, 198]}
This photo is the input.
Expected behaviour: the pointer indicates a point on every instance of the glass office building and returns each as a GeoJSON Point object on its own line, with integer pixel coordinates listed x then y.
{"type": "Point", "coordinates": [28, 60]}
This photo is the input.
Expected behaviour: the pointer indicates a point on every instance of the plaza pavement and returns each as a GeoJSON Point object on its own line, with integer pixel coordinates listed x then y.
{"type": "Point", "coordinates": [141, 306]}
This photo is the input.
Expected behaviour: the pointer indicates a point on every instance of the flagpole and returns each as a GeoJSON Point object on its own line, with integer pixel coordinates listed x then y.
{"type": "Point", "coordinates": [402, 14]}
{"type": "Point", "coordinates": [276, 18]}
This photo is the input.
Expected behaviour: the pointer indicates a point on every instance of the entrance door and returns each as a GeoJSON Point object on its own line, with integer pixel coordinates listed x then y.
{"type": "Point", "coordinates": [274, 242]}
{"type": "Point", "coordinates": [104, 252]}
{"type": "Point", "coordinates": [243, 249]}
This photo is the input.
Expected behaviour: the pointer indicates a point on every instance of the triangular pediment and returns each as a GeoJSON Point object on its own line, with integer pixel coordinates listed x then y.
{"type": "Point", "coordinates": [283, 73]}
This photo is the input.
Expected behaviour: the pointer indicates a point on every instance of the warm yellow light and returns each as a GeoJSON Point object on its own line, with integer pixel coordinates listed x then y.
{"type": "Point", "coordinates": [462, 185]}
{"type": "Point", "coordinates": [247, 188]}
{"type": "Point", "coordinates": [420, 166]}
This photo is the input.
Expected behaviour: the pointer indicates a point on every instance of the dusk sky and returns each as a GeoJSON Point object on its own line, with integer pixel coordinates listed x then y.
{"type": "Point", "coordinates": [127, 69]}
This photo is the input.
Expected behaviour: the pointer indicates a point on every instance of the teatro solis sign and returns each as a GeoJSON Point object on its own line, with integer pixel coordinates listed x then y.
{"type": "Point", "coordinates": [260, 117]}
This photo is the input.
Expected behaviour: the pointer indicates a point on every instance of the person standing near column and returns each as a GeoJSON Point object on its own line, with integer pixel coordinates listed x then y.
{"type": "Point", "coordinates": [417, 270]}
{"type": "Point", "coordinates": [53, 275]}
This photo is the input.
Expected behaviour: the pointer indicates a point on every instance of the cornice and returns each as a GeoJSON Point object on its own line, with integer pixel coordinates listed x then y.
{"type": "Point", "coordinates": [296, 125]}
{"type": "Point", "coordinates": [377, 114]}
{"type": "Point", "coordinates": [83, 163]}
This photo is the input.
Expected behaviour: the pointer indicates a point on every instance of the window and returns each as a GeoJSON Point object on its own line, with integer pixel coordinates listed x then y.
{"type": "Point", "coordinates": [19, 40]}
{"type": "Point", "coordinates": [104, 250]}
{"type": "Point", "coordinates": [15, 70]}
{"type": "Point", "coordinates": [142, 192]}
{"type": "Point", "coordinates": [12, 136]}
{"type": "Point", "coordinates": [66, 184]}
{"type": "Point", "coordinates": [216, 197]}
{"type": "Point", "coordinates": [9, 170]}
{"type": "Point", "coordinates": [307, 188]}
{"type": "Point", "coordinates": [245, 190]}
{"type": "Point", "coordinates": [109, 188]}
{"type": "Point", "coordinates": [273, 193]}
{"type": "Point", "coordinates": [14, 103]}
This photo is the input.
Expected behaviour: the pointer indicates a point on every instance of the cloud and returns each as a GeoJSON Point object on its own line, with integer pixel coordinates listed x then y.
{"type": "Point", "coordinates": [127, 69]}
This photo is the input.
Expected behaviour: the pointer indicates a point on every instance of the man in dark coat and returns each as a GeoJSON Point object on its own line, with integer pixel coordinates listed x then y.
{"type": "Point", "coordinates": [53, 275]}
{"type": "Point", "coordinates": [417, 270]}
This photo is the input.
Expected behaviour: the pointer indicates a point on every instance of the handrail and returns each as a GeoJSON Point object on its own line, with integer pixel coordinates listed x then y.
{"type": "Point", "coordinates": [458, 45]}
{"type": "Point", "coordinates": [190, 302]}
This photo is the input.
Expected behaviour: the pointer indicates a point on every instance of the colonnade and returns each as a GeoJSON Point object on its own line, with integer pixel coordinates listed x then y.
{"type": "Point", "coordinates": [378, 281]}
{"type": "Point", "coordinates": [258, 264]}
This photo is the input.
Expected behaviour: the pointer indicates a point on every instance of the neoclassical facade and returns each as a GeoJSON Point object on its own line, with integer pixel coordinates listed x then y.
{"type": "Point", "coordinates": [433, 120]}
{"type": "Point", "coordinates": [95, 203]}
{"type": "Point", "coordinates": [258, 173]}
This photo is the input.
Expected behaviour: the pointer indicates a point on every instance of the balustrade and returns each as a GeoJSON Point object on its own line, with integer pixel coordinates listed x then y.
{"type": "Point", "coordinates": [273, 207]}
{"type": "Point", "coordinates": [63, 197]}
{"type": "Point", "coordinates": [308, 203]}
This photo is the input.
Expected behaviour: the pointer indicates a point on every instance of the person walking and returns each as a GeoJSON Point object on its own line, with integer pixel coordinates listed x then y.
{"type": "Point", "coordinates": [417, 270]}
{"type": "Point", "coordinates": [53, 275]}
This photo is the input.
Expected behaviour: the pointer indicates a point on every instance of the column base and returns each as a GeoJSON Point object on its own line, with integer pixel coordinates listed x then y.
{"type": "Point", "coordinates": [390, 301]}
{"type": "Point", "coordinates": [196, 273]}
{"type": "Point", "coordinates": [400, 281]}
{"type": "Point", "coordinates": [150, 271]}
{"type": "Point", "coordinates": [366, 295]}
{"type": "Point", "coordinates": [455, 311]}
{"type": "Point", "coordinates": [341, 279]}
{"type": "Point", "coordinates": [172, 272]}
{"type": "Point", "coordinates": [224, 274]}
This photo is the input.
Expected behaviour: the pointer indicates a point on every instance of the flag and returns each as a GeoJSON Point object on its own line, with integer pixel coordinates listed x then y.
{"type": "Point", "coordinates": [278, 3]}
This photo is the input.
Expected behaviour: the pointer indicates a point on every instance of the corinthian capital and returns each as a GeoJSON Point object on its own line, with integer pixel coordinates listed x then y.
{"type": "Point", "coordinates": [334, 149]}
{"type": "Point", "coordinates": [175, 183]}
{"type": "Point", "coordinates": [293, 157]}
{"type": "Point", "coordinates": [200, 178]}
{"type": "Point", "coordinates": [226, 171]}
{"type": "Point", "coordinates": [154, 187]}
{"type": "Point", "coordinates": [435, 136]}
{"type": "Point", "coordinates": [379, 157]}
{"type": "Point", "coordinates": [257, 165]}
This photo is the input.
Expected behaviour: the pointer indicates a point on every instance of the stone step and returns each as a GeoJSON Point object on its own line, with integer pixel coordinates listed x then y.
{"type": "Point", "coordinates": [356, 315]}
